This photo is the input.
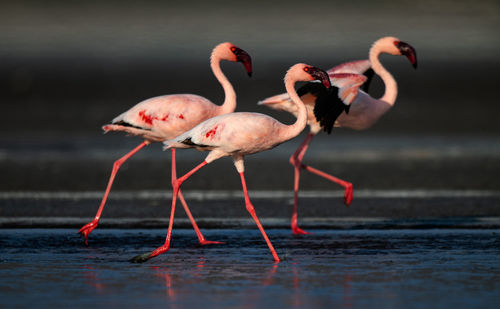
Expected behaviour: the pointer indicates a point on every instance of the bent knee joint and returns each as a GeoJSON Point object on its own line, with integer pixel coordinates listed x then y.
{"type": "Point", "coordinates": [250, 208]}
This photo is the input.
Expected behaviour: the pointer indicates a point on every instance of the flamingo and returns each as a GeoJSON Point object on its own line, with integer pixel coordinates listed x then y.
{"type": "Point", "coordinates": [240, 134]}
{"type": "Point", "coordinates": [325, 111]}
{"type": "Point", "coordinates": [165, 117]}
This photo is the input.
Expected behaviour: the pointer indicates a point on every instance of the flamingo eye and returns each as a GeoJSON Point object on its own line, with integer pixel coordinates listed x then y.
{"type": "Point", "coordinates": [306, 69]}
{"type": "Point", "coordinates": [233, 49]}
{"type": "Point", "coordinates": [396, 43]}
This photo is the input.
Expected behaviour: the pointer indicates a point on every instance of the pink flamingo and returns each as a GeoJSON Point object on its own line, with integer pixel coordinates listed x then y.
{"type": "Point", "coordinates": [325, 111]}
{"type": "Point", "coordinates": [240, 134]}
{"type": "Point", "coordinates": [160, 118]}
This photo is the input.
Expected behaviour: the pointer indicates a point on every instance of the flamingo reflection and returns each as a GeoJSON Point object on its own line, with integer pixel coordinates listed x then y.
{"type": "Point", "coordinates": [164, 274]}
{"type": "Point", "coordinates": [92, 279]}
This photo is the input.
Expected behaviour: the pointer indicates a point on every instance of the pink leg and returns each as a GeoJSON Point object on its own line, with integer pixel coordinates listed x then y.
{"type": "Point", "coordinates": [162, 249]}
{"type": "Point", "coordinates": [87, 228]}
{"type": "Point", "coordinates": [347, 185]}
{"type": "Point", "coordinates": [296, 161]}
{"type": "Point", "coordinates": [201, 238]}
{"type": "Point", "coordinates": [251, 210]}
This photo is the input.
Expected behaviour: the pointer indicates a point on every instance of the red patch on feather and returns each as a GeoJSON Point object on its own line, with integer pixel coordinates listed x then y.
{"type": "Point", "coordinates": [211, 133]}
{"type": "Point", "coordinates": [146, 118]}
{"type": "Point", "coordinates": [149, 119]}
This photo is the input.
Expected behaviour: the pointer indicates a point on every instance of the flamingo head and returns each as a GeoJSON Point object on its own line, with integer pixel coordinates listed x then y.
{"type": "Point", "coordinates": [305, 72]}
{"type": "Point", "coordinates": [243, 57]}
{"type": "Point", "coordinates": [395, 46]}
{"type": "Point", "coordinates": [407, 50]}
{"type": "Point", "coordinates": [313, 73]}
{"type": "Point", "coordinates": [229, 51]}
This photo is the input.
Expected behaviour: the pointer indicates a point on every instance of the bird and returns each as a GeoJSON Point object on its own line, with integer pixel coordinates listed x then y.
{"type": "Point", "coordinates": [326, 111]}
{"type": "Point", "coordinates": [240, 134]}
{"type": "Point", "coordinates": [165, 117]}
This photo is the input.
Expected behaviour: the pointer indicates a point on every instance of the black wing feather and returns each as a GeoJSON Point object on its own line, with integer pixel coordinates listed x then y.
{"type": "Point", "coordinates": [369, 76]}
{"type": "Point", "coordinates": [126, 124]}
{"type": "Point", "coordinates": [188, 141]}
{"type": "Point", "coordinates": [328, 107]}
{"type": "Point", "coordinates": [312, 88]}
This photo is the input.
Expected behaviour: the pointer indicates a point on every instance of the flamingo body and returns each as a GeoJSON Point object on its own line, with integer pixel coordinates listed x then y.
{"type": "Point", "coordinates": [325, 111]}
{"type": "Point", "coordinates": [164, 117]}
{"type": "Point", "coordinates": [242, 133]}
{"type": "Point", "coordinates": [364, 112]}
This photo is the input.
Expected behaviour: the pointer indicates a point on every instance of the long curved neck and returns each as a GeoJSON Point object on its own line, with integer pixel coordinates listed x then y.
{"type": "Point", "coordinates": [229, 104]}
{"type": "Point", "coordinates": [391, 87]}
{"type": "Point", "coordinates": [294, 129]}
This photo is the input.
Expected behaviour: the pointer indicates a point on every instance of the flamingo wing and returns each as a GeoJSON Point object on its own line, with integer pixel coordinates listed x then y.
{"type": "Point", "coordinates": [355, 67]}
{"type": "Point", "coordinates": [201, 137]}
{"type": "Point", "coordinates": [330, 103]}
{"type": "Point", "coordinates": [138, 120]}
{"type": "Point", "coordinates": [163, 117]}
{"type": "Point", "coordinates": [283, 101]}
{"type": "Point", "coordinates": [275, 99]}
{"type": "Point", "coordinates": [369, 77]}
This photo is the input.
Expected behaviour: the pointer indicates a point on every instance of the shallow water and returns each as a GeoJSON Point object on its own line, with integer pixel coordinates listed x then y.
{"type": "Point", "coordinates": [329, 268]}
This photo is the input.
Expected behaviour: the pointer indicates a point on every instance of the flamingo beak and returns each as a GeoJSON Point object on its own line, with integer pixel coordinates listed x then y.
{"type": "Point", "coordinates": [243, 57]}
{"type": "Point", "coordinates": [320, 75]}
{"type": "Point", "coordinates": [410, 53]}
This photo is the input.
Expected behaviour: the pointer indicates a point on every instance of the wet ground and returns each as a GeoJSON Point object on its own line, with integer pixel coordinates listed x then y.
{"type": "Point", "coordinates": [327, 269]}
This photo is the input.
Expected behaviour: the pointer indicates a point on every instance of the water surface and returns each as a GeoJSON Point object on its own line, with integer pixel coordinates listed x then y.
{"type": "Point", "coordinates": [329, 268]}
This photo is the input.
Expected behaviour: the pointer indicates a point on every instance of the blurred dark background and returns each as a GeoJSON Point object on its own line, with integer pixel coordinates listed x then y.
{"type": "Point", "coordinates": [68, 67]}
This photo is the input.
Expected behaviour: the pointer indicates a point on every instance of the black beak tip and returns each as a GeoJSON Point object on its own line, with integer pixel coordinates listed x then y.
{"type": "Point", "coordinates": [249, 74]}
{"type": "Point", "coordinates": [410, 53]}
